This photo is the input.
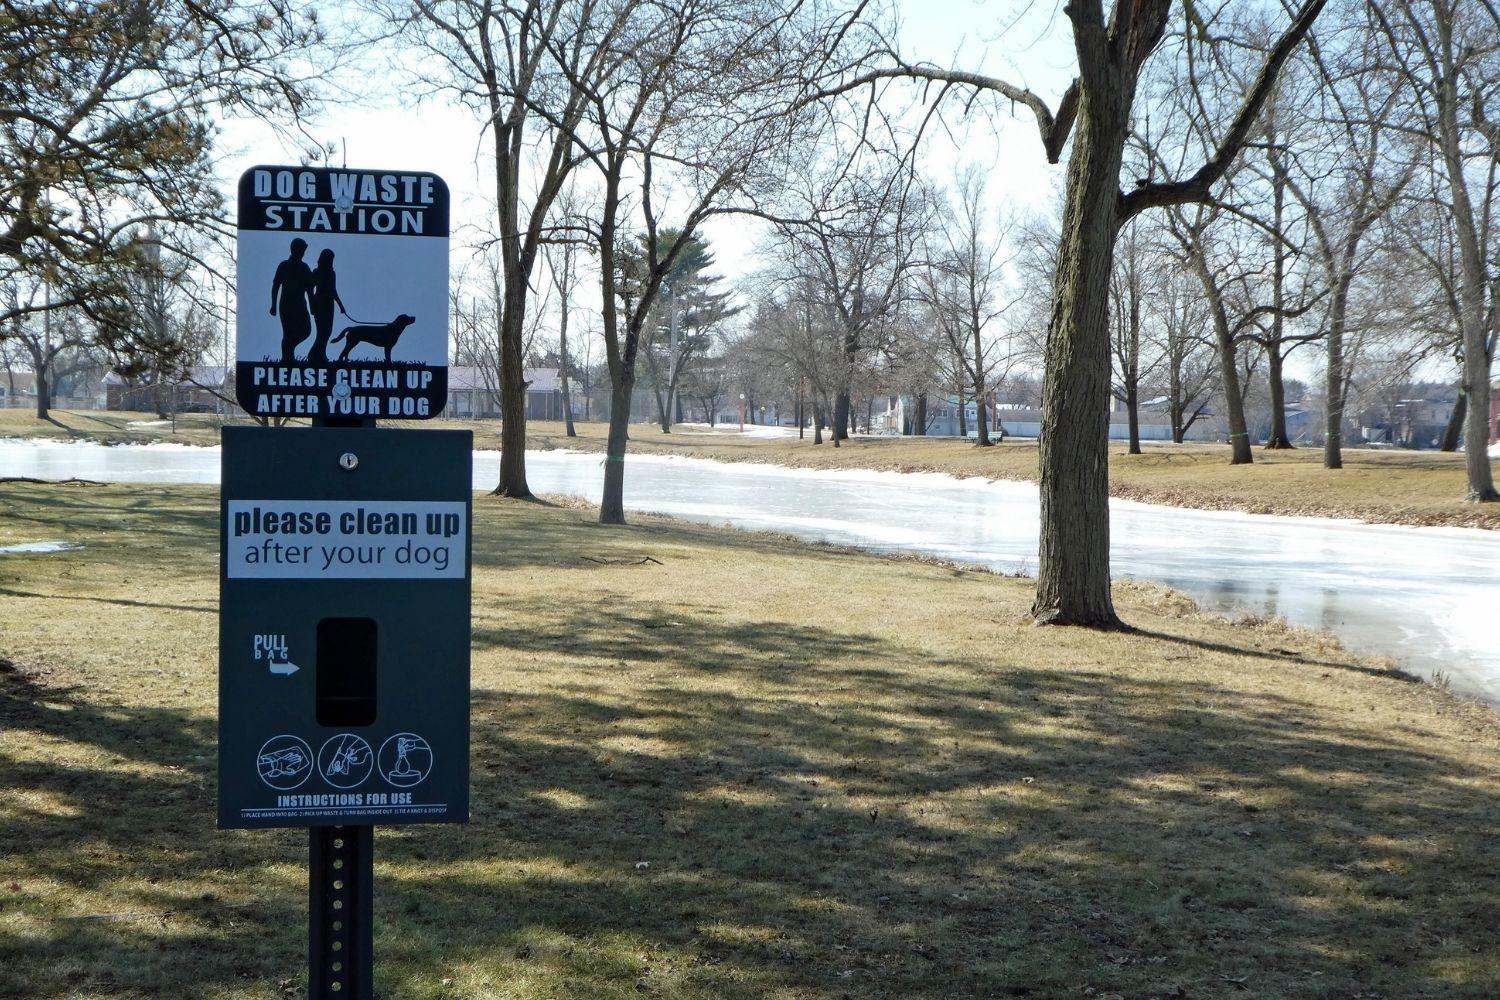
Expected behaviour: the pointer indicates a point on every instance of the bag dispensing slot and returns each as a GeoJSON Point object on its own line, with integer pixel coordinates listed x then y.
{"type": "Point", "coordinates": [346, 670]}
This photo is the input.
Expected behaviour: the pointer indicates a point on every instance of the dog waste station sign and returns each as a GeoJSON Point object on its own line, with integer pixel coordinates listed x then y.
{"type": "Point", "coordinates": [342, 283]}
{"type": "Point", "coordinates": [344, 549]}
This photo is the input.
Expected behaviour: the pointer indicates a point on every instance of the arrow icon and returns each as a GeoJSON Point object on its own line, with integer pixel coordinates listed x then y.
{"type": "Point", "coordinates": [286, 669]}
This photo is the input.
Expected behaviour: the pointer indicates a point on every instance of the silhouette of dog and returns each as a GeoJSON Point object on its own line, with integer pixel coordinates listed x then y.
{"type": "Point", "coordinates": [378, 336]}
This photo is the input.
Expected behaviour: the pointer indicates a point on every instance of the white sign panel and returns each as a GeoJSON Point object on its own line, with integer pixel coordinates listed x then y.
{"type": "Point", "coordinates": [345, 540]}
{"type": "Point", "coordinates": [343, 293]}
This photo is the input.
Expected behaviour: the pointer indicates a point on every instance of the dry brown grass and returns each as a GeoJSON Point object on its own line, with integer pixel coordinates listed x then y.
{"type": "Point", "coordinates": [847, 776]}
{"type": "Point", "coordinates": [112, 426]}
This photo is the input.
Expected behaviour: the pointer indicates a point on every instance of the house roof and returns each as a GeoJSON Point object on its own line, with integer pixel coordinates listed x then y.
{"type": "Point", "coordinates": [468, 377]}
{"type": "Point", "coordinates": [212, 375]}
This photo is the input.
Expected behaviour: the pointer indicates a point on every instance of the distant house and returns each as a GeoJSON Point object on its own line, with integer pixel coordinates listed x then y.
{"type": "Point", "coordinates": [1416, 418]}
{"type": "Point", "coordinates": [201, 389]}
{"type": "Point", "coordinates": [474, 393]}
{"type": "Point", "coordinates": [897, 415]}
{"type": "Point", "coordinates": [80, 388]}
{"type": "Point", "coordinates": [17, 389]}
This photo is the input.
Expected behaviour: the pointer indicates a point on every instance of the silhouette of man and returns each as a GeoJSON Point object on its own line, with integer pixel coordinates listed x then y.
{"type": "Point", "coordinates": [293, 280]}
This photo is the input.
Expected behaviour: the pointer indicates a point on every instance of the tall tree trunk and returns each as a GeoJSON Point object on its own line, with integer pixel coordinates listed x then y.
{"type": "Point", "coordinates": [43, 393]}
{"type": "Point", "coordinates": [840, 428]}
{"type": "Point", "coordinates": [1229, 372]}
{"type": "Point", "coordinates": [1453, 434]}
{"type": "Point", "coordinates": [982, 436]}
{"type": "Point", "coordinates": [1072, 586]}
{"type": "Point", "coordinates": [1473, 270]}
{"type": "Point", "coordinates": [506, 133]}
{"type": "Point", "coordinates": [1279, 438]}
{"type": "Point", "coordinates": [919, 419]}
{"type": "Point", "coordinates": [817, 423]}
{"type": "Point", "coordinates": [612, 505]}
{"type": "Point", "coordinates": [1133, 363]}
{"type": "Point", "coordinates": [512, 399]}
{"type": "Point", "coordinates": [1334, 378]}
{"type": "Point", "coordinates": [1234, 398]}
{"type": "Point", "coordinates": [1175, 406]}
{"type": "Point", "coordinates": [981, 413]}
{"type": "Point", "coordinates": [567, 392]}
{"type": "Point", "coordinates": [1477, 423]}
{"type": "Point", "coordinates": [841, 401]}
{"type": "Point", "coordinates": [963, 415]}
{"type": "Point", "coordinates": [656, 392]}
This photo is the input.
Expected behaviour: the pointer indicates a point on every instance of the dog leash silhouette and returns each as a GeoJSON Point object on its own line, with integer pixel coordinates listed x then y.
{"type": "Point", "coordinates": [360, 322]}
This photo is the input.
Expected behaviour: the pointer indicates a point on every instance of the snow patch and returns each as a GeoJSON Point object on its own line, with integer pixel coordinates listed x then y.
{"type": "Point", "coordinates": [32, 548]}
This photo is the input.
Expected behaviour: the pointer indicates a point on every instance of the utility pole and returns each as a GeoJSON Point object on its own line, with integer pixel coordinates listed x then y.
{"type": "Point", "coordinates": [227, 380]}
{"type": "Point", "coordinates": [43, 386]}
{"type": "Point", "coordinates": [672, 356]}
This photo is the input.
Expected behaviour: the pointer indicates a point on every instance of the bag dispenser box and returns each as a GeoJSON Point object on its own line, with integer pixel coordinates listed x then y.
{"type": "Point", "coordinates": [344, 627]}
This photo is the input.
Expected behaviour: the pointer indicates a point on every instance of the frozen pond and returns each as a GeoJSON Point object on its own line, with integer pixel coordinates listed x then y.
{"type": "Point", "coordinates": [1421, 595]}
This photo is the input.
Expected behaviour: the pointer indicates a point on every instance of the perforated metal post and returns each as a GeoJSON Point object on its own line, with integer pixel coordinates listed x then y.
{"type": "Point", "coordinates": [340, 926]}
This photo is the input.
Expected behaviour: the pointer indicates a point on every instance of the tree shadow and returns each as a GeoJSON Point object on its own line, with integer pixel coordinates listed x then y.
{"type": "Point", "coordinates": [112, 865]}
{"type": "Point", "coordinates": [691, 804]}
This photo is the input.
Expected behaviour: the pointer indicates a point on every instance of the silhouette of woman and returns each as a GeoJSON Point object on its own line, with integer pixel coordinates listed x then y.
{"type": "Point", "coordinates": [324, 295]}
{"type": "Point", "coordinates": [292, 279]}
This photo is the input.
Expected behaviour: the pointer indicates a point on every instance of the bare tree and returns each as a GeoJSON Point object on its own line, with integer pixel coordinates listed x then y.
{"type": "Point", "coordinates": [1346, 179]}
{"type": "Point", "coordinates": [1095, 113]}
{"type": "Point", "coordinates": [1187, 370]}
{"type": "Point", "coordinates": [701, 106]}
{"type": "Point", "coordinates": [1212, 250]}
{"type": "Point", "coordinates": [1448, 55]}
{"type": "Point", "coordinates": [1128, 288]}
{"type": "Point", "coordinates": [961, 283]}
{"type": "Point", "coordinates": [562, 260]}
{"type": "Point", "coordinates": [853, 225]}
{"type": "Point", "coordinates": [795, 329]}
{"type": "Point", "coordinates": [528, 69]}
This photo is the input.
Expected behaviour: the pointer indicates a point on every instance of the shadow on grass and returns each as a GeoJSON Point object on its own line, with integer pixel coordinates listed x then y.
{"type": "Point", "coordinates": [855, 821]}
{"type": "Point", "coordinates": [127, 887]}
{"type": "Point", "coordinates": [1288, 657]}
{"type": "Point", "coordinates": [921, 837]}
{"type": "Point", "coordinates": [117, 601]}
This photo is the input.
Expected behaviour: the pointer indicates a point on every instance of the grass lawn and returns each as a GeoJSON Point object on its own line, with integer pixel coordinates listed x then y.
{"type": "Point", "coordinates": [112, 426]}
{"type": "Point", "coordinates": [751, 768]}
{"type": "Point", "coordinates": [1398, 487]}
